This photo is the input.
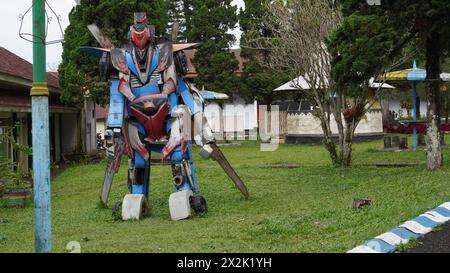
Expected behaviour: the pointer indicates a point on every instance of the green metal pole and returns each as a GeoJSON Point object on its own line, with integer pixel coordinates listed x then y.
{"type": "Point", "coordinates": [40, 134]}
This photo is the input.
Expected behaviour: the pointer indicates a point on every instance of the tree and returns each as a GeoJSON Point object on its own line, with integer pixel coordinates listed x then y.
{"type": "Point", "coordinates": [180, 12]}
{"type": "Point", "coordinates": [407, 23]}
{"type": "Point", "coordinates": [300, 30]}
{"type": "Point", "coordinates": [258, 81]}
{"type": "Point", "coordinates": [78, 72]}
{"type": "Point", "coordinates": [215, 64]}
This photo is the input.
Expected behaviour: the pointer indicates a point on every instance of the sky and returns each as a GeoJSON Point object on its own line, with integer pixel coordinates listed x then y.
{"type": "Point", "coordinates": [10, 24]}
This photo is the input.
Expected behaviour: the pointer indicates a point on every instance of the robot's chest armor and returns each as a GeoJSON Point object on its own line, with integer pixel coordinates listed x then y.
{"type": "Point", "coordinates": [141, 77]}
{"type": "Point", "coordinates": [150, 88]}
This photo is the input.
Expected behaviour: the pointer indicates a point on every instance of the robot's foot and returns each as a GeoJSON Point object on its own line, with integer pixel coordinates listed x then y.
{"type": "Point", "coordinates": [134, 207]}
{"type": "Point", "coordinates": [179, 205]}
{"type": "Point", "coordinates": [182, 204]}
{"type": "Point", "coordinates": [198, 204]}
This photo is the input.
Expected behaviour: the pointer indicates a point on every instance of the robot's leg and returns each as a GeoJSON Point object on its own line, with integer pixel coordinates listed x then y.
{"type": "Point", "coordinates": [186, 197]}
{"type": "Point", "coordinates": [135, 205]}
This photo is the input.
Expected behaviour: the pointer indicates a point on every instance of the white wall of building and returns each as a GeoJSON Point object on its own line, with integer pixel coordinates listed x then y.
{"type": "Point", "coordinates": [91, 124]}
{"type": "Point", "coordinates": [305, 123]}
{"type": "Point", "coordinates": [69, 130]}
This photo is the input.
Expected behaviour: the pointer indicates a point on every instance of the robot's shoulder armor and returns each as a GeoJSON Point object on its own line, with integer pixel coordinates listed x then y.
{"type": "Point", "coordinates": [119, 61]}
{"type": "Point", "coordinates": [165, 49]}
{"type": "Point", "coordinates": [179, 57]}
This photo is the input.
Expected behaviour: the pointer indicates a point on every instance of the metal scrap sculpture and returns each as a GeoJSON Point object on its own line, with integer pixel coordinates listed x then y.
{"type": "Point", "coordinates": [152, 107]}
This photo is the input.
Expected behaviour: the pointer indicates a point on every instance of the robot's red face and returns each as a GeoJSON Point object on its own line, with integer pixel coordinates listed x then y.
{"type": "Point", "coordinates": [140, 35]}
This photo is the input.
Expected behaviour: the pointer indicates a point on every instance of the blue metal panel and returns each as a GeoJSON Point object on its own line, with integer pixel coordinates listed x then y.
{"type": "Point", "coordinates": [157, 148]}
{"type": "Point", "coordinates": [155, 61]}
{"type": "Point", "coordinates": [93, 51]}
{"type": "Point", "coordinates": [210, 95]}
{"type": "Point", "coordinates": [150, 88]}
{"type": "Point", "coordinates": [380, 246]}
{"type": "Point", "coordinates": [131, 64]}
{"type": "Point", "coordinates": [141, 129]}
{"type": "Point", "coordinates": [188, 99]}
{"type": "Point", "coordinates": [426, 222]}
{"type": "Point", "coordinates": [404, 233]}
{"type": "Point", "coordinates": [153, 66]}
{"type": "Point", "coordinates": [41, 171]}
{"type": "Point", "coordinates": [185, 186]}
{"type": "Point", "coordinates": [168, 125]}
{"type": "Point", "coordinates": [194, 177]}
{"type": "Point", "coordinates": [173, 101]}
{"type": "Point", "coordinates": [176, 155]}
{"type": "Point", "coordinates": [116, 106]}
{"type": "Point", "coordinates": [137, 189]}
{"type": "Point", "coordinates": [139, 162]}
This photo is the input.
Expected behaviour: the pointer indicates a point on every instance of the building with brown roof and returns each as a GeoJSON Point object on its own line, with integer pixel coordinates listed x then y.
{"type": "Point", "coordinates": [66, 127]}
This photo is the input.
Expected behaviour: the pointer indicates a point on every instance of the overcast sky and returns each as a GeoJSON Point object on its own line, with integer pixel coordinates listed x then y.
{"type": "Point", "coordinates": [10, 25]}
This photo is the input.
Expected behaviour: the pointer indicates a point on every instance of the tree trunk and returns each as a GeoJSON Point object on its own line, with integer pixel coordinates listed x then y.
{"type": "Point", "coordinates": [434, 150]}
{"type": "Point", "coordinates": [328, 142]}
{"type": "Point", "coordinates": [347, 147]}
{"type": "Point", "coordinates": [388, 118]}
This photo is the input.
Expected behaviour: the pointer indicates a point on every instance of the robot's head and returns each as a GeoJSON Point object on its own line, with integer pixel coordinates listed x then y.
{"type": "Point", "coordinates": [141, 34]}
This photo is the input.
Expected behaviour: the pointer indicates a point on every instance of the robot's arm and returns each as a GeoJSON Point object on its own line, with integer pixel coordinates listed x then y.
{"type": "Point", "coordinates": [204, 137]}
{"type": "Point", "coordinates": [203, 134]}
{"type": "Point", "coordinates": [119, 91]}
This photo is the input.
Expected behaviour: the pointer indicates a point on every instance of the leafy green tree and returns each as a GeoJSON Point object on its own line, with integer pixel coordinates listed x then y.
{"type": "Point", "coordinates": [370, 37]}
{"type": "Point", "coordinates": [180, 11]}
{"type": "Point", "coordinates": [78, 72]}
{"type": "Point", "coordinates": [211, 20]}
{"type": "Point", "coordinates": [258, 82]}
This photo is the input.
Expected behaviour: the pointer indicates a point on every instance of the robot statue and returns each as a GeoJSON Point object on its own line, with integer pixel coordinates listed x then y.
{"type": "Point", "coordinates": [152, 109]}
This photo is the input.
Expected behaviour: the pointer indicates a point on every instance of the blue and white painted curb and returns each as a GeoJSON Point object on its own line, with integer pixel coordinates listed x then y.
{"type": "Point", "coordinates": [415, 228]}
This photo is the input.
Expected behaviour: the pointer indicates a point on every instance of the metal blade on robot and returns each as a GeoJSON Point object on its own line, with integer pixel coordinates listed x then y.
{"type": "Point", "coordinates": [111, 169]}
{"type": "Point", "coordinates": [101, 38]}
{"type": "Point", "coordinates": [218, 156]}
{"type": "Point", "coordinates": [107, 183]}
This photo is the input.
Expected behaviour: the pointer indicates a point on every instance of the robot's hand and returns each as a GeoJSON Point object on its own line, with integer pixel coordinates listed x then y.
{"type": "Point", "coordinates": [203, 134]}
{"type": "Point", "coordinates": [206, 151]}
{"type": "Point", "coordinates": [111, 140]}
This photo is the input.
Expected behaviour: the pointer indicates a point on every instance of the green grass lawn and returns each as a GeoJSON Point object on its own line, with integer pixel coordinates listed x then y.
{"type": "Point", "coordinates": [305, 209]}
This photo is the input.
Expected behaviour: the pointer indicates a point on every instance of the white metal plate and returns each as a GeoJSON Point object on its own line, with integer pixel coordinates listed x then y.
{"type": "Point", "coordinates": [132, 206]}
{"type": "Point", "coordinates": [179, 205]}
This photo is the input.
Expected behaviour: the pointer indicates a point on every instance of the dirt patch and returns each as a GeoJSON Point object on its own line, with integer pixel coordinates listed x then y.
{"type": "Point", "coordinates": [434, 242]}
